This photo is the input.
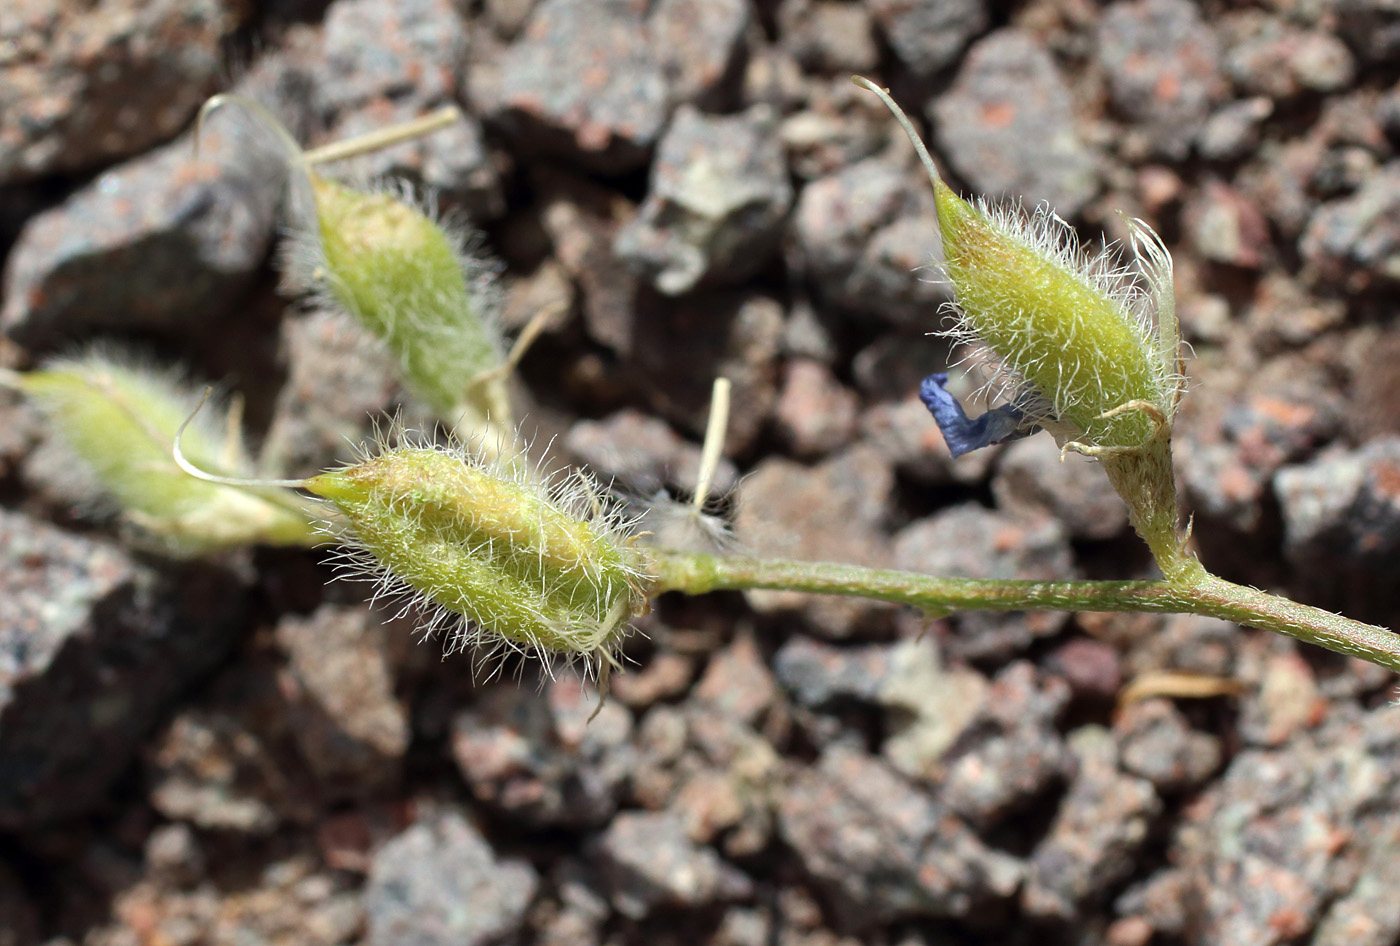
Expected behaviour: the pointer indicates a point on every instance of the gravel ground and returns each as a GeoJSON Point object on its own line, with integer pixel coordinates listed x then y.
{"type": "Point", "coordinates": [236, 752]}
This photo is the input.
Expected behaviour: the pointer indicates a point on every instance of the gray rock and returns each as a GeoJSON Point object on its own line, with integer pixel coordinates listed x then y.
{"type": "Point", "coordinates": [1267, 55]}
{"type": "Point", "coordinates": [832, 124]}
{"type": "Point", "coordinates": [1008, 126]}
{"type": "Point", "coordinates": [1031, 475]}
{"type": "Point", "coordinates": [969, 541]}
{"type": "Point", "coordinates": [869, 241]}
{"type": "Point", "coordinates": [1233, 131]}
{"type": "Point", "coordinates": [165, 243]}
{"type": "Point", "coordinates": [1225, 226]}
{"type": "Point", "coordinates": [1162, 901]}
{"type": "Point", "coordinates": [453, 165]}
{"type": "Point", "coordinates": [1284, 701]}
{"type": "Point", "coordinates": [230, 763]}
{"type": "Point", "coordinates": [929, 37]}
{"type": "Point", "coordinates": [1288, 831]}
{"type": "Point", "coordinates": [1278, 180]}
{"type": "Point", "coordinates": [1371, 27]}
{"type": "Point", "coordinates": [737, 682]}
{"type": "Point", "coordinates": [1342, 509]}
{"type": "Point", "coordinates": [93, 648]}
{"type": "Point", "coordinates": [537, 756]}
{"type": "Point", "coordinates": [340, 379]}
{"type": "Point", "coordinates": [885, 849]}
{"type": "Point", "coordinates": [584, 81]}
{"type": "Point", "coordinates": [828, 512]}
{"type": "Point", "coordinates": [1102, 823]}
{"type": "Point", "coordinates": [828, 36]}
{"type": "Point", "coordinates": [173, 854]}
{"type": "Point", "coordinates": [439, 883]}
{"type": "Point", "coordinates": [719, 194]}
{"type": "Point", "coordinates": [1284, 314]}
{"type": "Point", "coordinates": [817, 674]}
{"type": "Point", "coordinates": [383, 64]}
{"type": "Point", "coordinates": [406, 51]}
{"type": "Point", "coordinates": [1188, 642]}
{"type": "Point", "coordinates": [651, 863]}
{"type": "Point", "coordinates": [1162, 64]}
{"type": "Point", "coordinates": [906, 436]}
{"type": "Point", "coordinates": [82, 85]}
{"type": "Point", "coordinates": [1358, 232]}
{"type": "Point", "coordinates": [1227, 469]}
{"type": "Point", "coordinates": [582, 221]}
{"type": "Point", "coordinates": [709, 768]}
{"type": "Point", "coordinates": [1092, 668]}
{"type": "Point", "coordinates": [1010, 753]}
{"type": "Point", "coordinates": [643, 453]}
{"type": "Point", "coordinates": [1222, 486]}
{"type": "Point", "coordinates": [1368, 914]}
{"type": "Point", "coordinates": [339, 687]}
{"type": "Point", "coordinates": [702, 45]}
{"type": "Point", "coordinates": [731, 334]}
{"type": "Point", "coordinates": [815, 413]}
{"type": "Point", "coordinates": [1156, 743]}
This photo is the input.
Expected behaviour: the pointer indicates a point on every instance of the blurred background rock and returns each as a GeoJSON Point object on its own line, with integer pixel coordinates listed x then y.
{"type": "Point", "coordinates": [237, 753]}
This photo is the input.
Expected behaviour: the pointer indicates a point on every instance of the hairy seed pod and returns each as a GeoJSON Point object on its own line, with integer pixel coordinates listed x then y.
{"type": "Point", "coordinates": [1088, 345]}
{"type": "Point", "coordinates": [121, 420]}
{"type": "Point", "coordinates": [412, 283]}
{"type": "Point", "coordinates": [1075, 329]}
{"type": "Point", "coordinates": [532, 568]}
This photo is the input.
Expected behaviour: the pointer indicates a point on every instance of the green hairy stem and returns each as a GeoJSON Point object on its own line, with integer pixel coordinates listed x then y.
{"type": "Point", "coordinates": [1201, 593]}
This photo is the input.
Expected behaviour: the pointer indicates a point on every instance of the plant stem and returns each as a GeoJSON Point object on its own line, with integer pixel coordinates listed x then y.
{"type": "Point", "coordinates": [1202, 594]}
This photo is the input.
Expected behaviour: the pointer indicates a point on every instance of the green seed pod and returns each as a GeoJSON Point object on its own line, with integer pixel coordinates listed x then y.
{"type": "Point", "coordinates": [412, 283]}
{"type": "Point", "coordinates": [532, 568]}
{"type": "Point", "coordinates": [121, 421]}
{"type": "Point", "coordinates": [1074, 329]}
{"type": "Point", "coordinates": [1088, 346]}
{"type": "Point", "coordinates": [1083, 343]}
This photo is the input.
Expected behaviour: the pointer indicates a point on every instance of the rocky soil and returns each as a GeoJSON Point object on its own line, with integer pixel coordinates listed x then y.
{"type": "Point", "coordinates": [237, 752]}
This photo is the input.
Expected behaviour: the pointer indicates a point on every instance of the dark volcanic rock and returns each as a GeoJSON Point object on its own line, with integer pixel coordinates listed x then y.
{"type": "Point", "coordinates": [720, 334]}
{"type": "Point", "coordinates": [1344, 507]}
{"type": "Point", "coordinates": [339, 688]}
{"type": "Point", "coordinates": [165, 242]}
{"type": "Point", "coordinates": [827, 36]}
{"type": "Point", "coordinates": [1032, 475]}
{"type": "Point", "coordinates": [1289, 831]}
{"type": "Point", "coordinates": [1008, 126]}
{"type": "Point", "coordinates": [388, 63]}
{"type": "Point", "coordinates": [928, 37]}
{"type": "Point", "coordinates": [718, 197]}
{"type": "Point", "coordinates": [82, 84]}
{"type": "Point", "coordinates": [1157, 743]}
{"type": "Point", "coordinates": [439, 883]}
{"type": "Point", "coordinates": [885, 849]}
{"type": "Point", "coordinates": [1101, 824]}
{"type": "Point", "coordinates": [340, 381]}
{"type": "Point", "coordinates": [93, 647]}
{"type": "Point", "coordinates": [650, 862]}
{"type": "Point", "coordinates": [538, 757]}
{"type": "Point", "coordinates": [1162, 65]}
{"type": "Point", "coordinates": [869, 241]}
{"type": "Point", "coordinates": [643, 453]}
{"type": "Point", "coordinates": [583, 80]}
{"type": "Point", "coordinates": [1359, 232]}
{"type": "Point", "coordinates": [409, 50]}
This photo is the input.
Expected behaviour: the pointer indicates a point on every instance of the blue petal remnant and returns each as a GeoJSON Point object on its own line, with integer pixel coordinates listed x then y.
{"type": "Point", "coordinates": [964, 434]}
